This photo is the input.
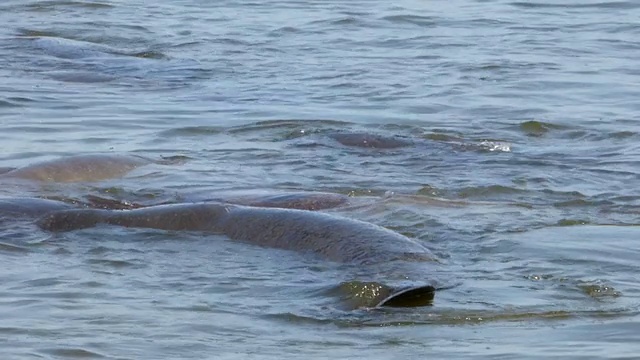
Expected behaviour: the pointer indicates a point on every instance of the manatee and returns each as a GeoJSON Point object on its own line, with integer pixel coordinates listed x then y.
{"type": "Point", "coordinates": [77, 60]}
{"type": "Point", "coordinates": [430, 141]}
{"type": "Point", "coordinates": [297, 200]}
{"type": "Point", "coordinates": [303, 200]}
{"type": "Point", "coordinates": [78, 168]}
{"type": "Point", "coordinates": [31, 208]}
{"type": "Point", "coordinates": [370, 140]}
{"type": "Point", "coordinates": [392, 267]}
{"type": "Point", "coordinates": [70, 49]}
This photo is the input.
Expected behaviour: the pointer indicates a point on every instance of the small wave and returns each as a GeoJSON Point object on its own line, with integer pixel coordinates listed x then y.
{"type": "Point", "coordinates": [285, 30]}
{"type": "Point", "coordinates": [442, 137]}
{"type": "Point", "coordinates": [537, 128]}
{"type": "Point", "coordinates": [599, 290]}
{"type": "Point", "coordinates": [190, 131]}
{"type": "Point", "coordinates": [498, 192]}
{"type": "Point", "coordinates": [149, 54]}
{"type": "Point", "coordinates": [86, 77]}
{"type": "Point", "coordinates": [284, 124]}
{"type": "Point", "coordinates": [56, 4]}
{"type": "Point", "coordinates": [460, 143]}
{"type": "Point", "coordinates": [491, 146]}
{"type": "Point", "coordinates": [584, 202]}
{"type": "Point", "coordinates": [400, 318]}
{"type": "Point", "coordinates": [422, 21]}
{"type": "Point", "coordinates": [343, 21]}
{"type": "Point", "coordinates": [116, 264]}
{"type": "Point", "coordinates": [12, 248]}
{"type": "Point", "coordinates": [488, 191]}
{"type": "Point", "coordinates": [572, 222]}
{"type": "Point", "coordinates": [42, 282]}
{"type": "Point", "coordinates": [8, 104]}
{"type": "Point", "coordinates": [72, 353]}
{"type": "Point", "coordinates": [622, 5]}
{"type": "Point", "coordinates": [69, 48]}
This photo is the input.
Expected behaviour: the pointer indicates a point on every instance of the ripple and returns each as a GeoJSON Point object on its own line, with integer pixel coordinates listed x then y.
{"type": "Point", "coordinates": [384, 318]}
{"type": "Point", "coordinates": [622, 5]}
{"type": "Point", "coordinates": [537, 128]}
{"type": "Point", "coordinates": [192, 131]}
{"type": "Point", "coordinates": [284, 124]}
{"type": "Point", "coordinates": [596, 290]}
{"type": "Point", "coordinates": [116, 264]}
{"type": "Point", "coordinates": [8, 104]}
{"type": "Point", "coordinates": [421, 21]}
{"type": "Point", "coordinates": [72, 353]}
{"type": "Point", "coordinates": [12, 248]}
{"type": "Point", "coordinates": [521, 124]}
{"type": "Point", "coordinates": [55, 4]}
{"type": "Point", "coordinates": [80, 77]}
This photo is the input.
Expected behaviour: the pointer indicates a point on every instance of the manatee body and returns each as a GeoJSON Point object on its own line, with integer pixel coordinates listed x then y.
{"type": "Point", "coordinates": [32, 208]}
{"type": "Point", "coordinates": [294, 200]}
{"type": "Point", "coordinates": [303, 200]}
{"type": "Point", "coordinates": [370, 140]}
{"type": "Point", "coordinates": [383, 255]}
{"type": "Point", "coordinates": [71, 60]}
{"type": "Point", "coordinates": [78, 168]}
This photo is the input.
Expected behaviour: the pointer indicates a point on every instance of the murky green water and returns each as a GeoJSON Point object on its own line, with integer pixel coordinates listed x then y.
{"type": "Point", "coordinates": [520, 173]}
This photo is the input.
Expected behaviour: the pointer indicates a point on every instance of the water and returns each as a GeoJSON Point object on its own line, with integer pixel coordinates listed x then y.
{"type": "Point", "coordinates": [521, 177]}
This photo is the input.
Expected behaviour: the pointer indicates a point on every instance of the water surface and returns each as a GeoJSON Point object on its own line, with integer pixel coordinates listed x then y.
{"type": "Point", "coordinates": [521, 174]}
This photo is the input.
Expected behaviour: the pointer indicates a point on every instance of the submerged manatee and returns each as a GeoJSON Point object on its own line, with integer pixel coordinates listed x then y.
{"type": "Point", "coordinates": [380, 141]}
{"type": "Point", "coordinates": [78, 168]}
{"type": "Point", "coordinates": [31, 208]}
{"type": "Point", "coordinates": [370, 140]}
{"type": "Point", "coordinates": [77, 60]}
{"type": "Point", "coordinates": [299, 200]}
{"type": "Point", "coordinates": [303, 200]}
{"type": "Point", "coordinates": [380, 255]}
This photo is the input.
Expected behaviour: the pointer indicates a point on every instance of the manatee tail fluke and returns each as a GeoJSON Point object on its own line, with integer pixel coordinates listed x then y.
{"type": "Point", "coordinates": [410, 297]}
{"type": "Point", "coordinates": [359, 294]}
{"type": "Point", "coordinates": [69, 220]}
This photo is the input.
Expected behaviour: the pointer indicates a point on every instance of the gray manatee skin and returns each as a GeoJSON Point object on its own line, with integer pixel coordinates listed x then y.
{"type": "Point", "coordinates": [380, 254]}
{"type": "Point", "coordinates": [31, 208]}
{"type": "Point", "coordinates": [303, 200]}
{"type": "Point", "coordinates": [79, 168]}
{"type": "Point", "coordinates": [370, 140]}
{"type": "Point", "coordinates": [332, 237]}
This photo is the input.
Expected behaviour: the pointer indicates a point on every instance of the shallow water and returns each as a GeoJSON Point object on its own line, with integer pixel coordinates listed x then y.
{"type": "Point", "coordinates": [521, 174]}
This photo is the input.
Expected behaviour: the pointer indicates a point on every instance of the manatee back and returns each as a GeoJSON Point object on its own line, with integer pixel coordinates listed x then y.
{"type": "Point", "coordinates": [78, 168]}
{"type": "Point", "coordinates": [294, 200]}
{"type": "Point", "coordinates": [370, 140]}
{"type": "Point", "coordinates": [332, 237]}
{"type": "Point", "coordinates": [29, 207]}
